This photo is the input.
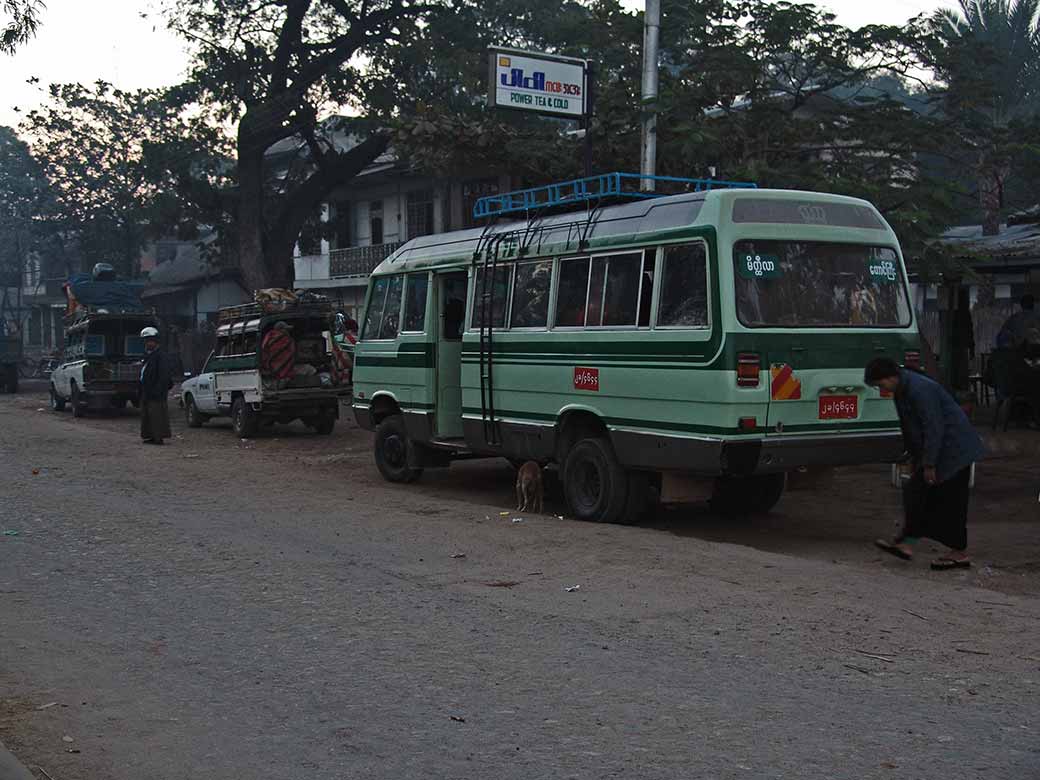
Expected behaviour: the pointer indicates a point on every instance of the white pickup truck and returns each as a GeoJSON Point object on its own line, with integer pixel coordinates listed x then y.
{"type": "Point", "coordinates": [101, 364]}
{"type": "Point", "coordinates": [234, 384]}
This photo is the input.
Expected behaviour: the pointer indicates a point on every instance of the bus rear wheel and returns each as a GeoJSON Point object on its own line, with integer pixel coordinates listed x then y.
{"type": "Point", "coordinates": [594, 483]}
{"type": "Point", "coordinates": [752, 495]}
{"type": "Point", "coordinates": [391, 451]}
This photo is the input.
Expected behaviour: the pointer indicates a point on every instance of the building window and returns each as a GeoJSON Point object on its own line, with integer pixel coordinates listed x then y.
{"type": "Point", "coordinates": [341, 225]}
{"type": "Point", "coordinates": [375, 221]}
{"type": "Point", "coordinates": [310, 236]}
{"type": "Point", "coordinates": [32, 274]}
{"type": "Point", "coordinates": [420, 213]}
{"type": "Point", "coordinates": [36, 328]}
{"type": "Point", "coordinates": [472, 191]}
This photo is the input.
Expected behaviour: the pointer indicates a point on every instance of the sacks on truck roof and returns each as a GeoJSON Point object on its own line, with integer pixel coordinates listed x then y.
{"type": "Point", "coordinates": [275, 295]}
{"type": "Point", "coordinates": [84, 293]}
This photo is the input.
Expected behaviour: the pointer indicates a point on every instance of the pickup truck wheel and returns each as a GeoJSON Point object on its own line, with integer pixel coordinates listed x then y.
{"type": "Point", "coordinates": [391, 450]}
{"type": "Point", "coordinates": [79, 409]}
{"type": "Point", "coordinates": [243, 419]}
{"type": "Point", "coordinates": [594, 483]}
{"type": "Point", "coordinates": [324, 424]}
{"type": "Point", "coordinates": [735, 496]}
{"type": "Point", "coordinates": [192, 416]}
{"type": "Point", "coordinates": [57, 402]}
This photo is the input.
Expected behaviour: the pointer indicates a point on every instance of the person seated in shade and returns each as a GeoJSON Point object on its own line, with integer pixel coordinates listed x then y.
{"type": "Point", "coordinates": [1017, 329]}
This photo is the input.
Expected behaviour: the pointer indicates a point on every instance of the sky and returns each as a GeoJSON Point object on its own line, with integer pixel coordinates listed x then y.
{"type": "Point", "coordinates": [87, 40]}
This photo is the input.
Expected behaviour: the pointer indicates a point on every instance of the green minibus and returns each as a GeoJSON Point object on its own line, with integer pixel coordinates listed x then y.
{"type": "Point", "coordinates": [706, 344]}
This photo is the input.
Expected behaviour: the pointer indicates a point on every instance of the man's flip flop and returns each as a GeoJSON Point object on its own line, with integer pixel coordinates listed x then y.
{"type": "Point", "coordinates": [893, 549]}
{"type": "Point", "coordinates": [941, 564]}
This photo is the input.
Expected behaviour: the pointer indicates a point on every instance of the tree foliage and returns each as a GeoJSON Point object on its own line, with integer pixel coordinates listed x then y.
{"type": "Point", "coordinates": [273, 67]}
{"type": "Point", "coordinates": [121, 167]}
{"type": "Point", "coordinates": [24, 202]}
{"type": "Point", "coordinates": [987, 58]}
{"type": "Point", "coordinates": [23, 20]}
{"type": "Point", "coordinates": [774, 92]}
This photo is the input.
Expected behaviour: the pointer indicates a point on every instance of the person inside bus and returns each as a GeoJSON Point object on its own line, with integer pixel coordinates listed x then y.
{"type": "Point", "coordinates": [943, 445]}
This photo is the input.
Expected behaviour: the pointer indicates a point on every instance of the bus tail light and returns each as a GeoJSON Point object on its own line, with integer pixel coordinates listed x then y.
{"type": "Point", "coordinates": [912, 359]}
{"type": "Point", "coordinates": [748, 424]}
{"type": "Point", "coordinates": [748, 369]}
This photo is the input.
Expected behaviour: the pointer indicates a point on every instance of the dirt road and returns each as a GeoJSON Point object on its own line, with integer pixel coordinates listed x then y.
{"type": "Point", "coordinates": [273, 609]}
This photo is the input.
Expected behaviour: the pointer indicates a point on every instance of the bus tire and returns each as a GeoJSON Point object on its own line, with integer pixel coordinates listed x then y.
{"type": "Point", "coordinates": [391, 451]}
{"type": "Point", "coordinates": [754, 495]}
{"type": "Point", "coordinates": [594, 483]}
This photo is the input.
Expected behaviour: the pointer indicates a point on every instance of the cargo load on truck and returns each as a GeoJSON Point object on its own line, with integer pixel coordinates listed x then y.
{"type": "Point", "coordinates": [276, 360]}
{"type": "Point", "coordinates": [103, 349]}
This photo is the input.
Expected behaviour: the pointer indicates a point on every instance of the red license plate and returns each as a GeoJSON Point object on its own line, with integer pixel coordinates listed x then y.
{"type": "Point", "coordinates": [586, 379]}
{"type": "Point", "coordinates": [839, 407]}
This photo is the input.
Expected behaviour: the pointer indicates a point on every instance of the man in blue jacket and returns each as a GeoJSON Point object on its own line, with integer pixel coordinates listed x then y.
{"type": "Point", "coordinates": [943, 445]}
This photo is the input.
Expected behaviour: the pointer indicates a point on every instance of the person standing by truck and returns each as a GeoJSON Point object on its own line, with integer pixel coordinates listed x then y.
{"type": "Point", "coordinates": [943, 445]}
{"type": "Point", "coordinates": [155, 386]}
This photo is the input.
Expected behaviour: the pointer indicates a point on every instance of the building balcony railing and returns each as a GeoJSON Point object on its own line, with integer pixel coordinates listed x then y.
{"type": "Point", "coordinates": [44, 289]}
{"type": "Point", "coordinates": [359, 260]}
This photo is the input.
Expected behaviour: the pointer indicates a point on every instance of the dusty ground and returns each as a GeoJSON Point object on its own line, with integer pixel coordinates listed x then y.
{"type": "Point", "coordinates": [273, 609]}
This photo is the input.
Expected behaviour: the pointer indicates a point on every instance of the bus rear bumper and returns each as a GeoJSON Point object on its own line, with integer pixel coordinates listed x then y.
{"type": "Point", "coordinates": [785, 453]}
{"type": "Point", "coordinates": [712, 456]}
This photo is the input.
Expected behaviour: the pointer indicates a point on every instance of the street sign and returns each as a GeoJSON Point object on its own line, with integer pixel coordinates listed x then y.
{"type": "Point", "coordinates": [541, 83]}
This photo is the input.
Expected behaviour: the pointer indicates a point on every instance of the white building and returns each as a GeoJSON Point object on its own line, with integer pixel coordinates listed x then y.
{"type": "Point", "coordinates": [369, 218]}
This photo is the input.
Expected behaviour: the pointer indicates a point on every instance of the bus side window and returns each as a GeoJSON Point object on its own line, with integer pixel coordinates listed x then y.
{"type": "Point", "coordinates": [499, 297]}
{"type": "Point", "coordinates": [646, 287]}
{"type": "Point", "coordinates": [684, 287]}
{"type": "Point", "coordinates": [374, 311]}
{"type": "Point", "coordinates": [415, 303]}
{"type": "Point", "coordinates": [531, 295]}
{"type": "Point", "coordinates": [614, 290]}
{"type": "Point", "coordinates": [391, 322]}
{"type": "Point", "coordinates": [572, 293]}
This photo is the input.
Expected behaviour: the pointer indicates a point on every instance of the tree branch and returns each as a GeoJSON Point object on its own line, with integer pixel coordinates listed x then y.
{"type": "Point", "coordinates": [290, 34]}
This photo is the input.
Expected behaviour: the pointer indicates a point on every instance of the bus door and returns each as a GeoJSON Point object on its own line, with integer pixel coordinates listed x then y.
{"type": "Point", "coordinates": [450, 294]}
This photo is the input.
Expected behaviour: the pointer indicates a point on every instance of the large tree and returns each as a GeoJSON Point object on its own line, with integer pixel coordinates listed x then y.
{"type": "Point", "coordinates": [776, 92]}
{"type": "Point", "coordinates": [22, 22]}
{"type": "Point", "coordinates": [274, 67]}
{"type": "Point", "coordinates": [23, 191]}
{"type": "Point", "coordinates": [988, 55]}
{"type": "Point", "coordinates": [121, 166]}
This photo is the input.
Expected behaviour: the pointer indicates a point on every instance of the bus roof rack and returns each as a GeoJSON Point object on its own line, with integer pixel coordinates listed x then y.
{"type": "Point", "coordinates": [605, 186]}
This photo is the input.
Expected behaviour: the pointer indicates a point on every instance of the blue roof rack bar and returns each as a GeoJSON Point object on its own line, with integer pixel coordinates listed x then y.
{"type": "Point", "coordinates": [605, 185]}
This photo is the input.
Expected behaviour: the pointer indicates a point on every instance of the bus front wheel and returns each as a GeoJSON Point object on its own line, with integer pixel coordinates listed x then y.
{"type": "Point", "coordinates": [391, 450]}
{"type": "Point", "coordinates": [594, 483]}
{"type": "Point", "coordinates": [747, 495]}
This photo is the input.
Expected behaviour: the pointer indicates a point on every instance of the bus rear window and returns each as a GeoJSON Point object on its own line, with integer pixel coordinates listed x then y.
{"type": "Point", "coordinates": [794, 284]}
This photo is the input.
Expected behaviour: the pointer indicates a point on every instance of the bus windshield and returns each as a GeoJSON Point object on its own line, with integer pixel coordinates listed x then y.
{"type": "Point", "coordinates": [802, 284]}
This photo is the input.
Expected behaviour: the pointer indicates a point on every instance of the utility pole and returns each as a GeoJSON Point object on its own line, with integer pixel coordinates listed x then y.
{"type": "Point", "coordinates": [651, 32]}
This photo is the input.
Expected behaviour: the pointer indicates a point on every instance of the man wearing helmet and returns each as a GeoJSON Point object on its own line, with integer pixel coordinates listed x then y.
{"type": "Point", "coordinates": [155, 386]}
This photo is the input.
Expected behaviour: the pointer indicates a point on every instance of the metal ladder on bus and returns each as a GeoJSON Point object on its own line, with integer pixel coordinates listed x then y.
{"type": "Point", "coordinates": [486, 292]}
